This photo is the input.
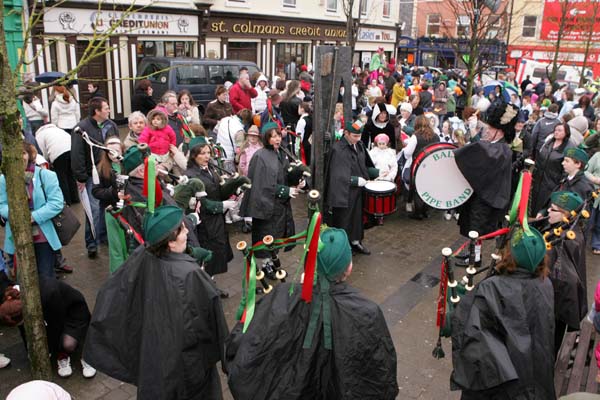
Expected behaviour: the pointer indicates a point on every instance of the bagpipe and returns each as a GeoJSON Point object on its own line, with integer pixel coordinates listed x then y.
{"type": "Point", "coordinates": [252, 273]}
{"type": "Point", "coordinates": [452, 289]}
{"type": "Point", "coordinates": [297, 170]}
{"type": "Point", "coordinates": [231, 182]}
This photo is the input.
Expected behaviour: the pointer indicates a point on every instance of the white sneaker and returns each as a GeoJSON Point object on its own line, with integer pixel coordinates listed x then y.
{"type": "Point", "coordinates": [4, 361]}
{"type": "Point", "coordinates": [64, 367]}
{"type": "Point", "coordinates": [409, 207]}
{"type": "Point", "coordinates": [88, 370]}
{"type": "Point", "coordinates": [447, 215]}
{"type": "Point", "coordinates": [456, 216]}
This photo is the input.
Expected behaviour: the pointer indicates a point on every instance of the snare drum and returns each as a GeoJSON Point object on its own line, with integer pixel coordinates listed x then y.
{"type": "Point", "coordinates": [437, 179]}
{"type": "Point", "coordinates": [380, 198]}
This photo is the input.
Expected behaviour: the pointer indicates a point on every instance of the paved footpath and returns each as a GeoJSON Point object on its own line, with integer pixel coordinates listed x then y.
{"type": "Point", "coordinates": [401, 275]}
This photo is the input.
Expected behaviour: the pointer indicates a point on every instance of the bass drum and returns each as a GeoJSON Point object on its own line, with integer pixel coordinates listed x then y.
{"type": "Point", "coordinates": [437, 179]}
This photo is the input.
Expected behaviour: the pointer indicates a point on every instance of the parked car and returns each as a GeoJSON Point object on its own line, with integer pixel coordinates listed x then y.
{"type": "Point", "coordinates": [200, 76]}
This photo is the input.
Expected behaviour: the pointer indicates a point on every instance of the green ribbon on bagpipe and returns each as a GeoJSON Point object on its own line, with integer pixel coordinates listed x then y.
{"type": "Point", "coordinates": [185, 126]}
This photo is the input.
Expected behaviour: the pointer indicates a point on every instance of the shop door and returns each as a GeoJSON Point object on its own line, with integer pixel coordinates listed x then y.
{"type": "Point", "coordinates": [242, 51]}
{"type": "Point", "coordinates": [95, 71]}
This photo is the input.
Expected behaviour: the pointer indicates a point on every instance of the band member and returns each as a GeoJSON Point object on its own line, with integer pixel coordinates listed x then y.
{"type": "Point", "coordinates": [567, 267]}
{"type": "Point", "coordinates": [340, 352]}
{"type": "Point", "coordinates": [158, 321]}
{"type": "Point", "coordinates": [486, 165]}
{"type": "Point", "coordinates": [348, 171]}
{"type": "Point", "coordinates": [268, 201]}
{"type": "Point", "coordinates": [503, 331]}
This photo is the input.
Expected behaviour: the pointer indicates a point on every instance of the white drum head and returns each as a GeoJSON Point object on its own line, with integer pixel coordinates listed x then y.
{"type": "Point", "coordinates": [380, 186]}
{"type": "Point", "coordinates": [439, 182]}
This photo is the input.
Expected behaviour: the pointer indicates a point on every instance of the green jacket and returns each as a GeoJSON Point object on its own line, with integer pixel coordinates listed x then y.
{"type": "Point", "coordinates": [593, 170]}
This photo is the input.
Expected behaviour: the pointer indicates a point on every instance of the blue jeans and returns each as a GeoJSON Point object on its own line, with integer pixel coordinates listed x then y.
{"type": "Point", "coordinates": [99, 223]}
{"type": "Point", "coordinates": [595, 228]}
{"type": "Point", "coordinates": [45, 258]}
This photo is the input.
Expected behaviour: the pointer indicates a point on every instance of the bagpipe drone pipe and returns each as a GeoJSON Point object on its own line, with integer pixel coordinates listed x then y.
{"type": "Point", "coordinates": [251, 272]}
{"type": "Point", "coordinates": [451, 288]}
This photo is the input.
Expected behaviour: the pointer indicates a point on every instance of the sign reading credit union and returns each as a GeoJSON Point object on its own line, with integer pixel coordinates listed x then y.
{"type": "Point", "coordinates": [275, 29]}
{"type": "Point", "coordinates": [74, 20]}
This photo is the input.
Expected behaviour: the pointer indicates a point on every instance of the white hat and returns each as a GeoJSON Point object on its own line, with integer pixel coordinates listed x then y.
{"type": "Point", "coordinates": [41, 390]}
{"type": "Point", "coordinates": [406, 107]}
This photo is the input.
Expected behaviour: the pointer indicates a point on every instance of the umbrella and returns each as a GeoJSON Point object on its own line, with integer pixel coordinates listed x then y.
{"type": "Point", "coordinates": [507, 89]}
{"type": "Point", "coordinates": [50, 77]}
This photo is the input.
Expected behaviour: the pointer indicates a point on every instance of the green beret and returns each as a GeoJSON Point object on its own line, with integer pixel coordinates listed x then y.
{"type": "Point", "coordinates": [159, 224]}
{"type": "Point", "coordinates": [132, 158]}
{"type": "Point", "coordinates": [355, 127]}
{"type": "Point", "coordinates": [335, 255]}
{"type": "Point", "coordinates": [197, 141]}
{"type": "Point", "coordinates": [268, 126]}
{"type": "Point", "coordinates": [568, 201]}
{"type": "Point", "coordinates": [527, 248]}
{"type": "Point", "coordinates": [577, 154]}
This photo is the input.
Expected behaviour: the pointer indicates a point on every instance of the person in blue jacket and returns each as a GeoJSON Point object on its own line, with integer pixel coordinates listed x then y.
{"type": "Point", "coordinates": [45, 200]}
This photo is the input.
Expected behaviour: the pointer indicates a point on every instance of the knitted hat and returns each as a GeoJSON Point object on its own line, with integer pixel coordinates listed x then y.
{"type": "Point", "coordinates": [578, 126]}
{"type": "Point", "coordinates": [197, 141]}
{"type": "Point", "coordinates": [161, 114]}
{"type": "Point", "coordinates": [577, 154]}
{"type": "Point", "coordinates": [527, 248]}
{"type": "Point", "coordinates": [268, 126]}
{"type": "Point", "coordinates": [382, 137]}
{"type": "Point", "coordinates": [355, 127]}
{"type": "Point", "coordinates": [132, 158]}
{"type": "Point", "coordinates": [335, 255]}
{"type": "Point", "coordinates": [159, 224]}
{"type": "Point", "coordinates": [568, 201]}
{"type": "Point", "coordinates": [253, 130]}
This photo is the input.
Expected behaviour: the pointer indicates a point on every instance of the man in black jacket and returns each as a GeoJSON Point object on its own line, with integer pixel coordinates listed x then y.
{"type": "Point", "coordinates": [98, 127]}
{"type": "Point", "coordinates": [348, 172]}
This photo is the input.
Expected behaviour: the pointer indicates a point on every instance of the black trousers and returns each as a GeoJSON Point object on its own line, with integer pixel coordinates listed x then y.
{"type": "Point", "coordinates": [350, 218]}
{"type": "Point", "coordinates": [66, 181]}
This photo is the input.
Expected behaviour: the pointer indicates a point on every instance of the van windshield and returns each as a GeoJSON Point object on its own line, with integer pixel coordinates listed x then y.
{"type": "Point", "coordinates": [191, 75]}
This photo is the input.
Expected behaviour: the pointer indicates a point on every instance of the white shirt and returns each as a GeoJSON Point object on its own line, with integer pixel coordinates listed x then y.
{"type": "Point", "coordinates": [53, 141]}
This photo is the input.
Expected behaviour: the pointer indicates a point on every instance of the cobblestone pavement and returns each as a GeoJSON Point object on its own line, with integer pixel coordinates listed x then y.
{"type": "Point", "coordinates": [401, 275]}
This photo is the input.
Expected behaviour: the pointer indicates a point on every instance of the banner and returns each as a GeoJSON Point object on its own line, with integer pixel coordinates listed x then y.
{"type": "Point", "coordinates": [577, 18]}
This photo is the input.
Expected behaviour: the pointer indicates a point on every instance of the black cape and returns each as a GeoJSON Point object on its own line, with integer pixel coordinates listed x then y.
{"type": "Point", "coordinates": [487, 167]}
{"type": "Point", "coordinates": [503, 339]}
{"type": "Point", "coordinates": [158, 324]}
{"type": "Point", "coordinates": [268, 361]}
{"type": "Point", "coordinates": [567, 265]}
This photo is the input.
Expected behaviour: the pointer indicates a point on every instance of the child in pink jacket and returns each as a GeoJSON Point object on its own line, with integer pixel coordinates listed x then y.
{"type": "Point", "coordinates": [250, 146]}
{"type": "Point", "coordinates": [158, 135]}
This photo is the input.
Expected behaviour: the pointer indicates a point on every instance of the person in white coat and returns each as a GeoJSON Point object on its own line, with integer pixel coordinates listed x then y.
{"type": "Point", "coordinates": [384, 158]}
{"type": "Point", "coordinates": [65, 112]}
{"type": "Point", "coordinates": [55, 145]}
{"type": "Point", "coordinates": [259, 103]}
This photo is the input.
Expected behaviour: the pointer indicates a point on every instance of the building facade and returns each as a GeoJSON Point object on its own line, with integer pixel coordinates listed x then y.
{"type": "Point", "coordinates": [537, 26]}
{"type": "Point", "coordinates": [278, 35]}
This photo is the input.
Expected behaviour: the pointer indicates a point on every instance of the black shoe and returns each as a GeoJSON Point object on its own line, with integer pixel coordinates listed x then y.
{"type": "Point", "coordinates": [360, 248]}
{"type": "Point", "coordinates": [67, 269]}
{"type": "Point", "coordinates": [223, 293]}
{"type": "Point", "coordinates": [92, 252]}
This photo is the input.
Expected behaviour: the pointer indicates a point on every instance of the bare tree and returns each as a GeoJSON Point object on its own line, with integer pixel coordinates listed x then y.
{"type": "Point", "coordinates": [588, 26]}
{"type": "Point", "coordinates": [12, 167]}
{"type": "Point", "coordinates": [352, 24]}
{"type": "Point", "coordinates": [478, 23]}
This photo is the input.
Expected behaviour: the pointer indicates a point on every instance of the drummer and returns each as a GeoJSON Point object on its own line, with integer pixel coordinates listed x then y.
{"type": "Point", "coordinates": [349, 169]}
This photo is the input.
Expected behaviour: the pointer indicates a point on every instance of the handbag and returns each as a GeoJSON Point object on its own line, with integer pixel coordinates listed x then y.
{"type": "Point", "coordinates": [65, 223]}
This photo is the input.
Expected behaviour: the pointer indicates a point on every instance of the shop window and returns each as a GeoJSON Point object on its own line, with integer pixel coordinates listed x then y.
{"type": "Point", "coordinates": [332, 5]}
{"type": "Point", "coordinates": [387, 8]}
{"type": "Point", "coordinates": [462, 25]}
{"type": "Point", "coordinates": [290, 56]}
{"type": "Point", "coordinates": [428, 59]}
{"type": "Point", "coordinates": [529, 24]}
{"type": "Point", "coordinates": [162, 48]}
{"type": "Point", "coordinates": [53, 57]}
{"type": "Point", "coordinates": [364, 8]}
{"type": "Point", "coordinates": [433, 24]}
{"type": "Point", "coordinates": [289, 3]}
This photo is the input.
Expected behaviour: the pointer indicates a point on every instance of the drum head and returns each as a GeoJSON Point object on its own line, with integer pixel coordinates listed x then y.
{"type": "Point", "coordinates": [380, 186]}
{"type": "Point", "coordinates": [439, 182]}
